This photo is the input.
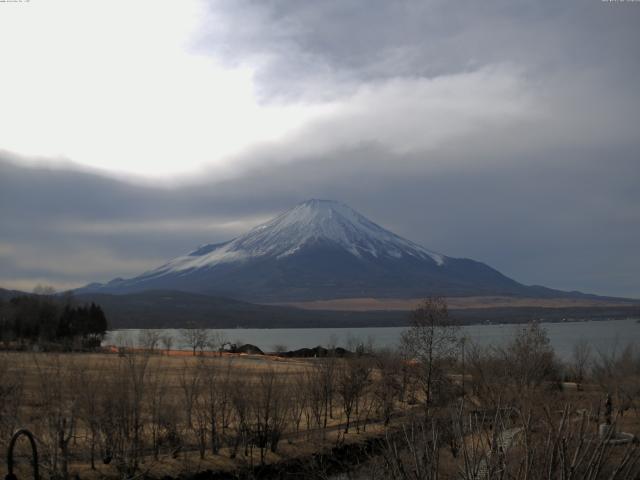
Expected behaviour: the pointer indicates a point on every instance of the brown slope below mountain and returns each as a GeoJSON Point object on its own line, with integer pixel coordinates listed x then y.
{"type": "Point", "coordinates": [405, 304]}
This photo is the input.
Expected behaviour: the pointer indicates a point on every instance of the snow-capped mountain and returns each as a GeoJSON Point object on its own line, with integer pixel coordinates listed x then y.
{"type": "Point", "coordinates": [300, 227]}
{"type": "Point", "coordinates": [319, 249]}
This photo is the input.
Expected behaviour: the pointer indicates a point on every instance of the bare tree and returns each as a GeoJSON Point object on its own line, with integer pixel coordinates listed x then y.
{"type": "Point", "coordinates": [240, 400]}
{"type": "Point", "coordinates": [488, 372]}
{"type": "Point", "coordinates": [196, 338]}
{"type": "Point", "coordinates": [530, 358]}
{"type": "Point", "coordinates": [225, 383]}
{"type": "Point", "coordinates": [326, 382]}
{"type": "Point", "coordinates": [216, 341]}
{"type": "Point", "coordinates": [431, 341]}
{"type": "Point", "coordinates": [515, 373]}
{"type": "Point", "coordinates": [58, 404]}
{"type": "Point", "coordinates": [90, 392]}
{"type": "Point", "coordinates": [149, 339]}
{"type": "Point", "coordinates": [212, 395]}
{"type": "Point", "coordinates": [618, 374]}
{"type": "Point", "coordinates": [268, 407]}
{"type": "Point", "coordinates": [201, 414]}
{"type": "Point", "coordinates": [534, 448]}
{"type": "Point", "coordinates": [157, 406]}
{"type": "Point", "coordinates": [316, 396]}
{"type": "Point", "coordinates": [353, 377]}
{"type": "Point", "coordinates": [387, 387]}
{"type": "Point", "coordinates": [299, 402]}
{"type": "Point", "coordinates": [136, 370]}
{"type": "Point", "coordinates": [122, 412]}
{"type": "Point", "coordinates": [189, 380]}
{"type": "Point", "coordinates": [167, 342]}
{"type": "Point", "coordinates": [11, 389]}
{"type": "Point", "coordinates": [581, 358]}
{"type": "Point", "coordinates": [124, 342]}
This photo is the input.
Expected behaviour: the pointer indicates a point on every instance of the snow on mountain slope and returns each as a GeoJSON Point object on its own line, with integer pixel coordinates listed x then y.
{"type": "Point", "coordinates": [304, 224]}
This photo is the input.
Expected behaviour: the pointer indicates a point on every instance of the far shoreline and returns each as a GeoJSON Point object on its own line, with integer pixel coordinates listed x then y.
{"type": "Point", "coordinates": [602, 334]}
{"type": "Point", "coordinates": [313, 327]}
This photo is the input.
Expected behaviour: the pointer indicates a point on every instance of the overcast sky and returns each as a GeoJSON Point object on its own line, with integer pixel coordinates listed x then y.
{"type": "Point", "coordinates": [504, 131]}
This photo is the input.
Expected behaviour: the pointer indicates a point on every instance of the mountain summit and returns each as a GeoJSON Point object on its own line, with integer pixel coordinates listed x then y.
{"type": "Point", "coordinates": [308, 224]}
{"type": "Point", "coordinates": [321, 249]}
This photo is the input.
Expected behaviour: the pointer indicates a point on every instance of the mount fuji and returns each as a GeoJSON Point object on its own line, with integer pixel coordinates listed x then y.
{"type": "Point", "coordinates": [322, 249]}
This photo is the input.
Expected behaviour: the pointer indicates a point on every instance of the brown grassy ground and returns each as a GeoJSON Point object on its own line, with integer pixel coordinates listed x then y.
{"type": "Point", "coordinates": [405, 304]}
{"type": "Point", "coordinates": [293, 445]}
{"type": "Point", "coordinates": [173, 365]}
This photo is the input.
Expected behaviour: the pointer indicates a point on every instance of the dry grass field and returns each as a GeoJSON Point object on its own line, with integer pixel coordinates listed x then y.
{"type": "Point", "coordinates": [167, 414]}
{"type": "Point", "coordinates": [171, 414]}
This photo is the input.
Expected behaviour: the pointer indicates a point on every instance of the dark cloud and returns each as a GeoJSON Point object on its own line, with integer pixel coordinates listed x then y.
{"type": "Point", "coordinates": [324, 49]}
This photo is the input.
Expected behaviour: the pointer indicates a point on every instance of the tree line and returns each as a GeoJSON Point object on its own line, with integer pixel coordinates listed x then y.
{"type": "Point", "coordinates": [48, 320]}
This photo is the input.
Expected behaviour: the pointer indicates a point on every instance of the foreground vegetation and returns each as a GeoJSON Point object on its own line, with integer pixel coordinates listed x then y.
{"type": "Point", "coordinates": [439, 407]}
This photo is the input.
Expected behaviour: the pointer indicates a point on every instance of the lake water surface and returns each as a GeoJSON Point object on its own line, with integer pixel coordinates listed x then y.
{"type": "Point", "coordinates": [603, 336]}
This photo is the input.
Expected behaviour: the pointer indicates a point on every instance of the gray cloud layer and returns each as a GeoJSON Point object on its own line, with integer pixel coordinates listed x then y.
{"type": "Point", "coordinates": [557, 223]}
{"type": "Point", "coordinates": [502, 131]}
{"type": "Point", "coordinates": [338, 44]}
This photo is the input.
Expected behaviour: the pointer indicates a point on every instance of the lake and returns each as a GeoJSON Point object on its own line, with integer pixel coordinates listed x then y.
{"type": "Point", "coordinates": [603, 335]}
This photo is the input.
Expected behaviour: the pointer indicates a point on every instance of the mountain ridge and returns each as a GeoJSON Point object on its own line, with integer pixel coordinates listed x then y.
{"type": "Point", "coordinates": [176, 309]}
